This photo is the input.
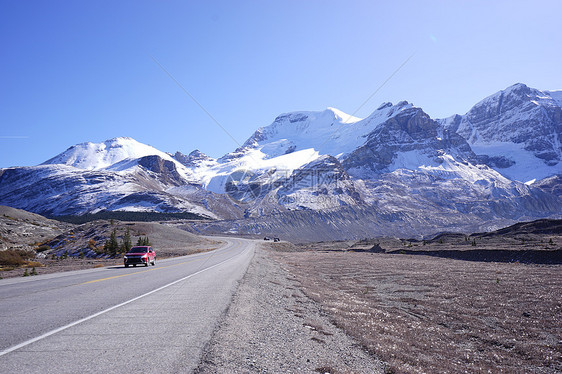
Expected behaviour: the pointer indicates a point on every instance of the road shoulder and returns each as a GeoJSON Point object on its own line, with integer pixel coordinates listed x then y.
{"type": "Point", "coordinates": [271, 326]}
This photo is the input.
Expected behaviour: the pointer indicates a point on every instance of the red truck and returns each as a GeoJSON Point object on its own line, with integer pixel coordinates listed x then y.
{"type": "Point", "coordinates": [143, 255]}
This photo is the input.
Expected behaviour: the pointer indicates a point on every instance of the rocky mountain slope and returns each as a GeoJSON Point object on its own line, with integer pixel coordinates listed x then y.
{"type": "Point", "coordinates": [397, 169]}
{"type": "Point", "coordinates": [517, 131]}
{"type": "Point", "coordinates": [24, 230]}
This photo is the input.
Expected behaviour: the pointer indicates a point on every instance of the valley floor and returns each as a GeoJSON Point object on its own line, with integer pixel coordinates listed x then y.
{"type": "Point", "coordinates": [436, 315]}
{"type": "Point", "coordinates": [324, 308]}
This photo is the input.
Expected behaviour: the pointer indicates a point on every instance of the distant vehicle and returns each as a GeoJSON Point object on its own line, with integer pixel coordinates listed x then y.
{"type": "Point", "coordinates": [267, 238]}
{"type": "Point", "coordinates": [276, 239]}
{"type": "Point", "coordinates": [140, 255]}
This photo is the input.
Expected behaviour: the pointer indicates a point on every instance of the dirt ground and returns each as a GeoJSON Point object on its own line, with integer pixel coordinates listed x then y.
{"type": "Point", "coordinates": [425, 314]}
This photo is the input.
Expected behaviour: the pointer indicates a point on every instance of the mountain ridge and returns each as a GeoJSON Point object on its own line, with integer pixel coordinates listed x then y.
{"type": "Point", "coordinates": [520, 127]}
{"type": "Point", "coordinates": [396, 160]}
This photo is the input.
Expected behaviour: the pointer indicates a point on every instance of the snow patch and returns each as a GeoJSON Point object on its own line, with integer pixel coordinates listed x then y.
{"type": "Point", "coordinates": [526, 168]}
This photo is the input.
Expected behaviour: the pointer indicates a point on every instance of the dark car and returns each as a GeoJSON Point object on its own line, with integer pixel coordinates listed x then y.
{"type": "Point", "coordinates": [140, 255]}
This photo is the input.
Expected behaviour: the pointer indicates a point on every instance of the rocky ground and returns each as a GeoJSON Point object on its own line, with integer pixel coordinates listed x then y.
{"type": "Point", "coordinates": [536, 242]}
{"type": "Point", "coordinates": [23, 230]}
{"type": "Point", "coordinates": [273, 327]}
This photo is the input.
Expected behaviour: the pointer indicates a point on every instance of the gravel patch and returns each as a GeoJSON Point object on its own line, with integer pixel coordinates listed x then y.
{"type": "Point", "coordinates": [272, 327]}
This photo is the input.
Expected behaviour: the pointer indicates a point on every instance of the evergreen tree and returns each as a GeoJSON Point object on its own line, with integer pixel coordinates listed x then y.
{"type": "Point", "coordinates": [143, 241]}
{"type": "Point", "coordinates": [126, 245]}
{"type": "Point", "coordinates": [111, 245]}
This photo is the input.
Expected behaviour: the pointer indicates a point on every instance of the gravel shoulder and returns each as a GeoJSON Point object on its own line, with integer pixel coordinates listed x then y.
{"type": "Point", "coordinates": [272, 327]}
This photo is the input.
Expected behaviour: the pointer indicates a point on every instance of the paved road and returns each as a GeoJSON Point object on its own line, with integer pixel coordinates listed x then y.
{"type": "Point", "coordinates": [116, 319]}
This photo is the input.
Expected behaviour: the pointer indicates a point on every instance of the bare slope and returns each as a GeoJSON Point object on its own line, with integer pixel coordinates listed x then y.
{"type": "Point", "coordinates": [24, 230]}
{"type": "Point", "coordinates": [91, 236]}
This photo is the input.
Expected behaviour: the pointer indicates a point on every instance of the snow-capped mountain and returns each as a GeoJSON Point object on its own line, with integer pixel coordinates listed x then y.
{"type": "Point", "coordinates": [394, 136]}
{"type": "Point", "coordinates": [118, 174]}
{"type": "Point", "coordinates": [407, 140]}
{"type": "Point", "coordinates": [517, 131]}
{"type": "Point", "coordinates": [195, 159]}
{"type": "Point", "coordinates": [56, 190]}
{"type": "Point", "coordinates": [122, 154]}
{"type": "Point", "coordinates": [97, 156]}
{"type": "Point", "coordinates": [395, 168]}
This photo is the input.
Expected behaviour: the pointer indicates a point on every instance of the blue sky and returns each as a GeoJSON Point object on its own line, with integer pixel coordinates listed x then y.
{"type": "Point", "coordinates": [77, 71]}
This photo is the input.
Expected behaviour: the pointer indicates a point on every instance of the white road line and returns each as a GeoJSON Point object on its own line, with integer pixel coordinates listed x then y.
{"type": "Point", "coordinates": [52, 332]}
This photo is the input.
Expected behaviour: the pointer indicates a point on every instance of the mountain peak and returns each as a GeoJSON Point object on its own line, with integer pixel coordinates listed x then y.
{"type": "Point", "coordinates": [95, 156]}
{"type": "Point", "coordinates": [520, 125]}
{"type": "Point", "coordinates": [343, 117]}
{"type": "Point", "coordinates": [514, 96]}
{"type": "Point", "coordinates": [517, 87]}
{"type": "Point", "coordinates": [193, 159]}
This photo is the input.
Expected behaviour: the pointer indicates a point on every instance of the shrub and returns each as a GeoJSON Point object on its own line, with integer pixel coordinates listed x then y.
{"type": "Point", "coordinates": [14, 257]}
{"type": "Point", "coordinates": [43, 248]}
{"type": "Point", "coordinates": [11, 258]}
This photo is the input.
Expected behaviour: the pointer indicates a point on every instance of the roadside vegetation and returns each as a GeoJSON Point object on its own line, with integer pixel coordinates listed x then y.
{"type": "Point", "coordinates": [12, 258]}
{"type": "Point", "coordinates": [113, 248]}
{"type": "Point", "coordinates": [93, 244]}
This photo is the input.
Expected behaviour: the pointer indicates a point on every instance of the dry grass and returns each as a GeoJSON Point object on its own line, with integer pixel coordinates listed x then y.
{"type": "Point", "coordinates": [33, 264]}
{"type": "Point", "coordinates": [432, 315]}
{"type": "Point", "coordinates": [15, 257]}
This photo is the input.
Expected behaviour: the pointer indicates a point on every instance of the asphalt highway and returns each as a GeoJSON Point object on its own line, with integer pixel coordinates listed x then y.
{"type": "Point", "coordinates": [154, 319]}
